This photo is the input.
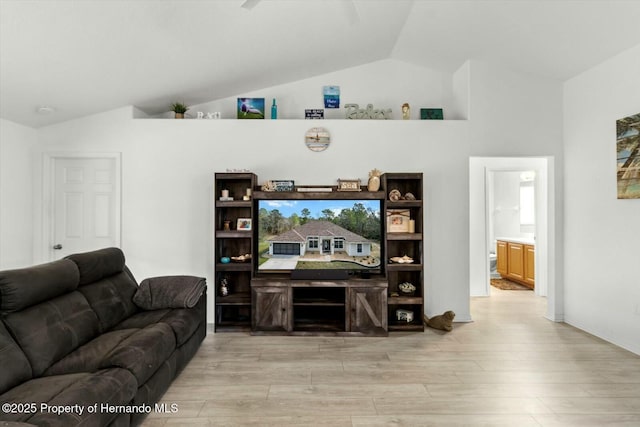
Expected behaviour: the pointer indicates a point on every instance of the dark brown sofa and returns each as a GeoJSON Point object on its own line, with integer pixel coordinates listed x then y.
{"type": "Point", "coordinates": [75, 349]}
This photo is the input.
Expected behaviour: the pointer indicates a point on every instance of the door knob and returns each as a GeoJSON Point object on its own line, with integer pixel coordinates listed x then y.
{"type": "Point", "coordinates": [57, 247]}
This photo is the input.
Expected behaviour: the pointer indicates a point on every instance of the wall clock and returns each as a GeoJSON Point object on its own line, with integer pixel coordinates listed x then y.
{"type": "Point", "coordinates": [317, 139]}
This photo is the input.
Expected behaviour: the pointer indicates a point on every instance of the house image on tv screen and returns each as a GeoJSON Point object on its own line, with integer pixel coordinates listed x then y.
{"type": "Point", "coordinates": [321, 237]}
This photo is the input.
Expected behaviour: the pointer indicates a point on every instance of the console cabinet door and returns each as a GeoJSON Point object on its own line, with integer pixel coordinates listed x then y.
{"type": "Point", "coordinates": [270, 309]}
{"type": "Point", "coordinates": [530, 265]}
{"type": "Point", "coordinates": [368, 308]}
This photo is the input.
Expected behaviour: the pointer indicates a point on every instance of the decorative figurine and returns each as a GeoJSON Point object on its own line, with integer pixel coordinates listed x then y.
{"type": "Point", "coordinates": [224, 287]}
{"type": "Point", "coordinates": [374, 180]}
{"type": "Point", "coordinates": [406, 111]}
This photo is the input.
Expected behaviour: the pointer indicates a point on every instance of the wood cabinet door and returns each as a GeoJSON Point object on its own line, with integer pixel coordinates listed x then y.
{"type": "Point", "coordinates": [516, 261]}
{"type": "Point", "coordinates": [368, 310]}
{"type": "Point", "coordinates": [529, 265]}
{"type": "Point", "coordinates": [501, 258]}
{"type": "Point", "coordinates": [270, 309]}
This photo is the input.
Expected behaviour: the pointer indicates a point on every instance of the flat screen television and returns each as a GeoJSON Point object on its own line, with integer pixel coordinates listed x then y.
{"type": "Point", "coordinates": [319, 235]}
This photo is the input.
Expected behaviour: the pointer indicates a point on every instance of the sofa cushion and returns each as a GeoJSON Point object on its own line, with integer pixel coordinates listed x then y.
{"type": "Point", "coordinates": [24, 287]}
{"type": "Point", "coordinates": [96, 265]}
{"type": "Point", "coordinates": [111, 298]}
{"type": "Point", "coordinates": [183, 322]}
{"type": "Point", "coordinates": [110, 386]}
{"type": "Point", "coordinates": [48, 331]}
{"type": "Point", "coordinates": [88, 357]}
{"type": "Point", "coordinates": [15, 366]}
{"type": "Point", "coordinates": [143, 352]}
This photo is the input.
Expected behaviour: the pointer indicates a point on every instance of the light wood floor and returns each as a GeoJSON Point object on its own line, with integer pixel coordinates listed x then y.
{"type": "Point", "coordinates": [511, 367]}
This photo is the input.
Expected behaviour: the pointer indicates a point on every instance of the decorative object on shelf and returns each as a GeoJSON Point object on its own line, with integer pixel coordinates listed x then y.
{"type": "Point", "coordinates": [200, 115]}
{"type": "Point", "coordinates": [628, 150]}
{"type": "Point", "coordinates": [241, 258]}
{"type": "Point", "coordinates": [244, 224]}
{"type": "Point", "coordinates": [232, 170]}
{"type": "Point", "coordinates": [354, 112]}
{"type": "Point", "coordinates": [179, 109]}
{"type": "Point", "coordinates": [431, 114]}
{"type": "Point", "coordinates": [247, 195]}
{"type": "Point", "coordinates": [406, 315]}
{"type": "Point", "coordinates": [225, 196]}
{"type": "Point", "coordinates": [251, 108]}
{"type": "Point", "coordinates": [395, 195]}
{"type": "Point", "coordinates": [374, 180]}
{"type": "Point", "coordinates": [406, 111]}
{"type": "Point", "coordinates": [401, 259]}
{"type": "Point", "coordinates": [412, 226]}
{"type": "Point", "coordinates": [317, 139]}
{"type": "Point", "coordinates": [227, 225]}
{"type": "Point", "coordinates": [268, 186]}
{"type": "Point", "coordinates": [225, 260]}
{"type": "Point", "coordinates": [223, 290]}
{"type": "Point", "coordinates": [283, 185]}
{"type": "Point", "coordinates": [409, 196]}
{"type": "Point", "coordinates": [215, 115]}
{"type": "Point", "coordinates": [314, 113]}
{"type": "Point", "coordinates": [407, 288]}
{"type": "Point", "coordinates": [398, 220]}
{"type": "Point", "coordinates": [331, 96]}
{"type": "Point", "coordinates": [442, 321]}
{"type": "Point", "coordinates": [349, 185]}
{"type": "Point", "coordinates": [274, 110]}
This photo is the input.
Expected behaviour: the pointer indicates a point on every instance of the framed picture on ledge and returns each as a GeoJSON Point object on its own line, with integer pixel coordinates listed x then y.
{"type": "Point", "coordinates": [251, 108]}
{"type": "Point", "coordinates": [244, 224]}
{"type": "Point", "coordinates": [398, 220]}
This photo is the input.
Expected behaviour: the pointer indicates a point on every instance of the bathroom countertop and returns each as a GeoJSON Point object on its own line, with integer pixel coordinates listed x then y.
{"type": "Point", "coordinates": [522, 240]}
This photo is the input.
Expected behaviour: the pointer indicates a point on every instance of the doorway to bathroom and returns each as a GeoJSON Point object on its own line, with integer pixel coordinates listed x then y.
{"type": "Point", "coordinates": [538, 225]}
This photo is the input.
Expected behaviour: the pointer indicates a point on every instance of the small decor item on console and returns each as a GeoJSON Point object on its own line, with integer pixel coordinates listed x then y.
{"type": "Point", "coordinates": [402, 259]}
{"type": "Point", "coordinates": [395, 195]}
{"type": "Point", "coordinates": [354, 112]}
{"type": "Point", "coordinates": [224, 287]}
{"type": "Point", "coordinates": [409, 196]}
{"type": "Point", "coordinates": [268, 186]}
{"type": "Point", "coordinates": [407, 288]}
{"type": "Point", "coordinates": [442, 321]}
{"type": "Point", "coordinates": [348, 185]}
{"type": "Point", "coordinates": [241, 258]}
{"type": "Point", "coordinates": [406, 111]}
{"type": "Point", "coordinates": [406, 315]}
{"type": "Point", "coordinates": [374, 180]}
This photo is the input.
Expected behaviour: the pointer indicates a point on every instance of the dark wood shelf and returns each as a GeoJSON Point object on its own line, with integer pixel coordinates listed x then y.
{"type": "Point", "coordinates": [324, 195]}
{"type": "Point", "coordinates": [234, 299]}
{"type": "Point", "coordinates": [233, 234]}
{"type": "Point", "coordinates": [312, 303]}
{"type": "Point", "coordinates": [406, 327]}
{"type": "Point", "coordinates": [405, 300]}
{"type": "Point", "coordinates": [400, 204]}
{"type": "Point", "coordinates": [404, 267]}
{"type": "Point", "coordinates": [404, 236]}
{"type": "Point", "coordinates": [233, 203]}
{"type": "Point", "coordinates": [234, 266]}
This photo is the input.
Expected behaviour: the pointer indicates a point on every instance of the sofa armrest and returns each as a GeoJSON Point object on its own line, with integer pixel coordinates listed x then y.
{"type": "Point", "coordinates": [169, 292]}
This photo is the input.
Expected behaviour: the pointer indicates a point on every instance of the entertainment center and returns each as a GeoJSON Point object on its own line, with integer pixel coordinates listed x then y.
{"type": "Point", "coordinates": [321, 260]}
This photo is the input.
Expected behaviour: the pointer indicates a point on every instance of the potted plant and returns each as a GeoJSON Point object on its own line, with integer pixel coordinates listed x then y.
{"type": "Point", "coordinates": [179, 108]}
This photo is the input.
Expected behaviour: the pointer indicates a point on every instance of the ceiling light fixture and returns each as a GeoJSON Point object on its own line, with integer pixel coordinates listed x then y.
{"type": "Point", "coordinates": [45, 109]}
{"type": "Point", "coordinates": [250, 4]}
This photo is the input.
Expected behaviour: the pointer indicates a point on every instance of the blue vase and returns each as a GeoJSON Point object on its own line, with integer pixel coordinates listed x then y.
{"type": "Point", "coordinates": [274, 110]}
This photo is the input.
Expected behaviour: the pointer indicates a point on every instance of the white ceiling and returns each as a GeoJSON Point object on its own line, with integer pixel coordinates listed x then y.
{"type": "Point", "coordinates": [86, 56]}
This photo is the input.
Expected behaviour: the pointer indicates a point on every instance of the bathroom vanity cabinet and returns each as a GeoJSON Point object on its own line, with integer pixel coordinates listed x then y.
{"type": "Point", "coordinates": [516, 261]}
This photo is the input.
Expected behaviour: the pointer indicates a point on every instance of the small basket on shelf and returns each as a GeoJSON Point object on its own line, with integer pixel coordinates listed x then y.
{"type": "Point", "coordinates": [407, 289]}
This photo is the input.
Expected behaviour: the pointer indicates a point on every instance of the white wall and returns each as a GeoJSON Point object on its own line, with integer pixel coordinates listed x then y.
{"type": "Point", "coordinates": [506, 205]}
{"type": "Point", "coordinates": [602, 278]}
{"type": "Point", "coordinates": [16, 194]}
{"type": "Point", "coordinates": [168, 168]}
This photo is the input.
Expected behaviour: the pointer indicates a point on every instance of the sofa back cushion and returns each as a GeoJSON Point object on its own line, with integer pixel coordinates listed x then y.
{"type": "Point", "coordinates": [15, 366]}
{"type": "Point", "coordinates": [107, 284]}
{"type": "Point", "coordinates": [22, 288]}
{"type": "Point", "coordinates": [48, 331]}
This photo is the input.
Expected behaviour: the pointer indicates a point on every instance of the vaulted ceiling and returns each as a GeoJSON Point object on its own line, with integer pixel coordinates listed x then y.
{"type": "Point", "coordinates": [85, 56]}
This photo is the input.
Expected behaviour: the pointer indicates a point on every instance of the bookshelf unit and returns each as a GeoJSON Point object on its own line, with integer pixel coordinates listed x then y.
{"type": "Point", "coordinates": [399, 244]}
{"type": "Point", "coordinates": [233, 311]}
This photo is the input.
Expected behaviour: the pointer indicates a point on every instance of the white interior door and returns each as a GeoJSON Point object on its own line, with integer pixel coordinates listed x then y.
{"type": "Point", "coordinates": [85, 204]}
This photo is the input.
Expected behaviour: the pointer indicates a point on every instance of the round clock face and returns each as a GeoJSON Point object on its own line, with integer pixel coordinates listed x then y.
{"type": "Point", "coordinates": [317, 139]}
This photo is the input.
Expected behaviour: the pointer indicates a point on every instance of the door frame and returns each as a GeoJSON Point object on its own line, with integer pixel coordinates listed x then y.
{"type": "Point", "coordinates": [479, 215]}
{"type": "Point", "coordinates": [48, 195]}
